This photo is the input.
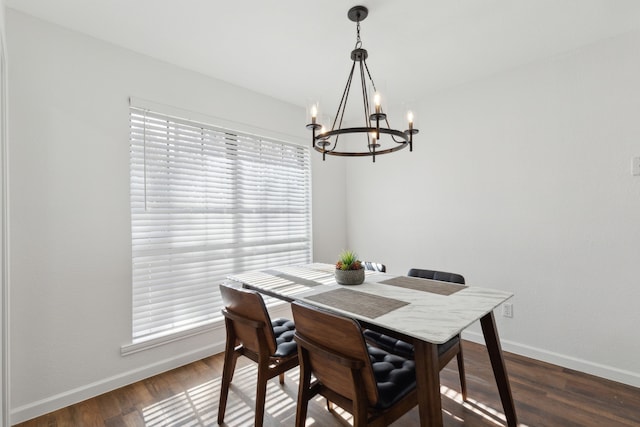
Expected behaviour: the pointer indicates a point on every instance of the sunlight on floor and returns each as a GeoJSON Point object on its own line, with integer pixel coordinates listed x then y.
{"type": "Point", "coordinates": [194, 407]}
{"type": "Point", "coordinates": [198, 406]}
{"type": "Point", "coordinates": [489, 414]}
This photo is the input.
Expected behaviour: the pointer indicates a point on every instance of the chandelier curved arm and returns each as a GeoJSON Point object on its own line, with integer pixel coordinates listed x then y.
{"type": "Point", "coordinates": [343, 101]}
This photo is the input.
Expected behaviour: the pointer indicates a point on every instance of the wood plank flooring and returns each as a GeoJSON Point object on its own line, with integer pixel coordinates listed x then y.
{"type": "Point", "coordinates": [545, 396]}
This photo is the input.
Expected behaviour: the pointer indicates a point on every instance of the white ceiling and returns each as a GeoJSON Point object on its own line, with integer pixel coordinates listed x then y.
{"type": "Point", "coordinates": [298, 50]}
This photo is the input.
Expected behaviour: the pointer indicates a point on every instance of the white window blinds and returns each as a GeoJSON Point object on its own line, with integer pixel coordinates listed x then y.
{"type": "Point", "coordinates": [207, 202]}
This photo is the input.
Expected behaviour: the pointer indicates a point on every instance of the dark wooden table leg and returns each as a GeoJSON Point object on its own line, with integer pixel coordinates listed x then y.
{"type": "Point", "coordinates": [428, 384]}
{"type": "Point", "coordinates": [494, 348]}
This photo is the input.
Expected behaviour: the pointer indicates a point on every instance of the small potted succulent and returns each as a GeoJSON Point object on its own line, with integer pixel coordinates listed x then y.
{"type": "Point", "coordinates": [349, 270]}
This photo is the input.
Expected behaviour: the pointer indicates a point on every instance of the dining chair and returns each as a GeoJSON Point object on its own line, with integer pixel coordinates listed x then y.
{"type": "Point", "coordinates": [375, 386]}
{"type": "Point", "coordinates": [446, 351]}
{"type": "Point", "coordinates": [251, 333]}
{"type": "Point", "coordinates": [374, 266]}
{"type": "Point", "coordinates": [442, 276]}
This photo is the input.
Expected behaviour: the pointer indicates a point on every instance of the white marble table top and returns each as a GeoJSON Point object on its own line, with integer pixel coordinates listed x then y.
{"type": "Point", "coordinates": [428, 316]}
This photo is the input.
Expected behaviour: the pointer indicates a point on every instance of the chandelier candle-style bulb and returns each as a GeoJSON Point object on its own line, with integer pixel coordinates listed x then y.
{"type": "Point", "coordinates": [411, 131]}
{"type": "Point", "coordinates": [322, 137]}
{"type": "Point", "coordinates": [373, 144]}
{"type": "Point", "coordinates": [314, 125]}
{"type": "Point", "coordinates": [380, 137]}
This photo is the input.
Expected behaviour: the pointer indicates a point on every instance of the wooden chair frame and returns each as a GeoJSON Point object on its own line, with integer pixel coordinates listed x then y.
{"type": "Point", "coordinates": [269, 366]}
{"type": "Point", "coordinates": [360, 404]}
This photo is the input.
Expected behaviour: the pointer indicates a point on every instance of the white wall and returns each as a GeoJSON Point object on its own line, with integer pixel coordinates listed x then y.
{"type": "Point", "coordinates": [523, 182]}
{"type": "Point", "coordinates": [519, 182]}
{"type": "Point", "coordinates": [4, 335]}
{"type": "Point", "coordinates": [69, 203]}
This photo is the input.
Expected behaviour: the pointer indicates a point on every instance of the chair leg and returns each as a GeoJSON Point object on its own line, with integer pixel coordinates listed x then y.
{"type": "Point", "coordinates": [281, 377]}
{"type": "Point", "coordinates": [230, 357]}
{"type": "Point", "coordinates": [359, 402]}
{"type": "Point", "coordinates": [301, 411]}
{"type": "Point", "coordinates": [304, 393]}
{"type": "Point", "coordinates": [463, 380]}
{"type": "Point", "coordinates": [261, 392]}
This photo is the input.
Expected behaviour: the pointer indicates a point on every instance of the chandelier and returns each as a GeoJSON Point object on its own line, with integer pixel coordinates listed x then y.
{"type": "Point", "coordinates": [379, 138]}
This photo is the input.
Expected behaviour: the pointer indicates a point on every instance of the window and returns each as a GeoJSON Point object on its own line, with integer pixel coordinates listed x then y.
{"type": "Point", "coordinates": [207, 202]}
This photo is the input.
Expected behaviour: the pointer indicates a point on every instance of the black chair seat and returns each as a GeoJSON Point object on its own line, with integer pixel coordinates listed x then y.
{"type": "Point", "coordinates": [395, 376]}
{"type": "Point", "coordinates": [446, 351]}
{"type": "Point", "coordinates": [402, 348]}
{"type": "Point", "coordinates": [284, 329]}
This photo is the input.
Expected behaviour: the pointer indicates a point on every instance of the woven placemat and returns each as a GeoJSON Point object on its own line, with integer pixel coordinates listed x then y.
{"type": "Point", "coordinates": [425, 285]}
{"type": "Point", "coordinates": [361, 303]}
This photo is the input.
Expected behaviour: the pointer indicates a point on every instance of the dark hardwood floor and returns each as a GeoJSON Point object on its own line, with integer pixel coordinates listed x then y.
{"type": "Point", "coordinates": [545, 395]}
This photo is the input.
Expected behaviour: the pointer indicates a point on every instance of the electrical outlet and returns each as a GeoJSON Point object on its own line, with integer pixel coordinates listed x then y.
{"type": "Point", "coordinates": [507, 309]}
{"type": "Point", "coordinates": [635, 166]}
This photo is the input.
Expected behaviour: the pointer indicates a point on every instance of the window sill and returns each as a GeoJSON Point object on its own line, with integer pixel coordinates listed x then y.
{"type": "Point", "coordinates": [129, 349]}
{"type": "Point", "coordinates": [137, 347]}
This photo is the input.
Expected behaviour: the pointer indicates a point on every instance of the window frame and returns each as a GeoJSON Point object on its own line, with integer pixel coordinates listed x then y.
{"type": "Point", "coordinates": [265, 154]}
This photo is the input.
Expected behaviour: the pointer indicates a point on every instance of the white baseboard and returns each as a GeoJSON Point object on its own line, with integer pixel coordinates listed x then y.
{"type": "Point", "coordinates": [52, 403]}
{"type": "Point", "coordinates": [599, 370]}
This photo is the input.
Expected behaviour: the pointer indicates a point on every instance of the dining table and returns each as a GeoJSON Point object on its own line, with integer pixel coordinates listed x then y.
{"type": "Point", "coordinates": [421, 311]}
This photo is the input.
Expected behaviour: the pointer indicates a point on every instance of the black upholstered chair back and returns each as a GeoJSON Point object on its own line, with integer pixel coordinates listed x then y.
{"type": "Point", "coordinates": [374, 266]}
{"type": "Point", "coordinates": [443, 276]}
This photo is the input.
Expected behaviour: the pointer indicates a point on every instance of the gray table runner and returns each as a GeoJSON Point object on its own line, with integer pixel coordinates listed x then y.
{"type": "Point", "coordinates": [294, 279]}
